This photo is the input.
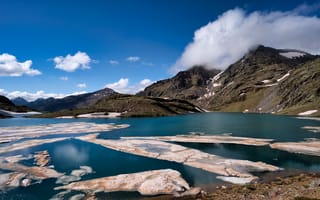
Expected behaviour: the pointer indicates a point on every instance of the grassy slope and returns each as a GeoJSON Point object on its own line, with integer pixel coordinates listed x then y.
{"type": "Point", "coordinates": [298, 93]}
{"type": "Point", "coordinates": [132, 106]}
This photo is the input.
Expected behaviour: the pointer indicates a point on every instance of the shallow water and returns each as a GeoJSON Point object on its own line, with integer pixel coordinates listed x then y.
{"type": "Point", "coordinates": [70, 154]}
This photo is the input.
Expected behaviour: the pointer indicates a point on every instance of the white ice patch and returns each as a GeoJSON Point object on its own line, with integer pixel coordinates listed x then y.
{"type": "Point", "coordinates": [292, 54]}
{"type": "Point", "coordinates": [283, 77]}
{"type": "Point", "coordinates": [309, 112]}
{"type": "Point", "coordinates": [75, 175]}
{"type": "Point", "coordinates": [210, 94]}
{"type": "Point", "coordinates": [237, 180]}
{"type": "Point", "coordinates": [314, 129]}
{"type": "Point", "coordinates": [216, 77]}
{"type": "Point", "coordinates": [309, 118]}
{"type": "Point", "coordinates": [17, 114]}
{"type": "Point", "coordinates": [266, 81]}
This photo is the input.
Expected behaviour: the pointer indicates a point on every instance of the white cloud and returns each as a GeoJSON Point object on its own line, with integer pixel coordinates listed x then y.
{"type": "Point", "coordinates": [9, 66]}
{"type": "Point", "coordinates": [123, 86]}
{"type": "Point", "coordinates": [113, 62]}
{"type": "Point", "coordinates": [70, 63]}
{"type": "Point", "coordinates": [133, 58]}
{"type": "Point", "coordinates": [64, 78]}
{"type": "Point", "coordinates": [82, 85]}
{"type": "Point", "coordinates": [29, 96]}
{"type": "Point", "coordinates": [225, 40]}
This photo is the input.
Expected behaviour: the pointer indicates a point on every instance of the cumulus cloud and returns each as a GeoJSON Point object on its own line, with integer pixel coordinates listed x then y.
{"type": "Point", "coordinates": [225, 40]}
{"type": "Point", "coordinates": [69, 63]}
{"type": "Point", "coordinates": [82, 85]}
{"type": "Point", "coordinates": [64, 78]}
{"type": "Point", "coordinates": [9, 66]}
{"type": "Point", "coordinates": [133, 58]}
{"type": "Point", "coordinates": [113, 62]}
{"type": "Point", "coordinates": [123, 86]}
{"type": "Point", "coordinates": [31, 96]}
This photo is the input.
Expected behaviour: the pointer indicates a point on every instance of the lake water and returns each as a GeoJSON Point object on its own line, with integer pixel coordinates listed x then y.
{"type": "Point", "coordinates": [70, 154]}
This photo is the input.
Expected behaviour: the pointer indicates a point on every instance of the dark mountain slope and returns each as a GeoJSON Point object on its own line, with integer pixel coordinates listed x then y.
{"type": "Point", "coordinates": [19, 101]}
{"type": "Point", "coordinates": [188, 85]}
{"type": "Point", "coordinates": [132, 106]}
{"type": "Point", "coordinates": [7, 105]}
{"type": "Point", "coordinates": [70, 102]}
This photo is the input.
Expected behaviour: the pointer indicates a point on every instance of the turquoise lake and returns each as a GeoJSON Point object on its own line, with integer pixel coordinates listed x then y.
{"type": "Point", "coordinates": [70, 154]}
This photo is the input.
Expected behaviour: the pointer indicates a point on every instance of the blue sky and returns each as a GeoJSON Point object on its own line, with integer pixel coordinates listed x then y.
{"type": "Point", "coordinates": [82, 45]}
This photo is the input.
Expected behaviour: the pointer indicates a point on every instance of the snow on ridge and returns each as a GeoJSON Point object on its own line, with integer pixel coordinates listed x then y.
{"type": "Point", "coordinates": [292, 54]}
{"type": "Point", "coordinates": [309, 112]}
{"type": "Point", "coordinates": [283, 77]}
{"type": "Point", "coordinates": [216, 84]}
{"type": "Point", "coordinates": [216, 77]}
{"type": "Point", "coordinates": [266, 81]}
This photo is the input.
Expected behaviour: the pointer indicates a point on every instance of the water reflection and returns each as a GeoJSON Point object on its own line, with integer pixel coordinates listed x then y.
{"type": "Point", "coordinates": [70, 155]}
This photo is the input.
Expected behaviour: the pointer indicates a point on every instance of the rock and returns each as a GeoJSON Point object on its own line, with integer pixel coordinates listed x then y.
{"type": "Point", "coordinates": [192, 192]}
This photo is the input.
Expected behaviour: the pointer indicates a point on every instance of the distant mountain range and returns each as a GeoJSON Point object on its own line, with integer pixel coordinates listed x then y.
{"type": "Point", "coordinates": [66, 103]}
{"type": "Point", "coordinates": [265, 80]}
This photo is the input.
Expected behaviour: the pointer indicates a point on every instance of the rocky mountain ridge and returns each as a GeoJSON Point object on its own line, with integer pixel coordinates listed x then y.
{"type": "Point", "coordinates": [69, 102]}
{"type": "Point", "coordinates": [265, 80]}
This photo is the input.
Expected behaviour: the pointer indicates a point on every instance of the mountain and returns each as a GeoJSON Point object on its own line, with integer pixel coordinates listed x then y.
{"type": "Point", "coordinates": [187, 85]}
{"type": "Point", "coordinates": [139, 106]}
{"type": "Point", "coordinates": [7, 105]}
{"type": "Point", "coordinates": [19, 101]}
{"type": "Point", "coordinates": [265, 80]}
{"type": "Point", "coordinates": [132, 106]}
{"type": "Point", "coordinates": [70, 102]}
{"type": "Point", "coordinates": [253, 83]}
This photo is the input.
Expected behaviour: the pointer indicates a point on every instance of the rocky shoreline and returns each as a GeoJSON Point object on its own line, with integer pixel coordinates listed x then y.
{"type": "Point", "coordinates": [295, 185]}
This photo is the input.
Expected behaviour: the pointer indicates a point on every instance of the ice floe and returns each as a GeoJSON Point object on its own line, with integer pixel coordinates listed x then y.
{"type": "Point", "coordinates": [309, 147]}
{"type": "Point", "coordinates": [42, 158]}
{"type": "Point", "coordinates": [28, 144]}
{"type": "Point", "coordinates": [13, 133]}
{"type": "Point", "coordinates": [236, 180]}
{"type": "Point", "coordinates": [75, 175]}
{"type": "Point", "coordinates": [315, 129]}
{"type": "Point", "coordinates": [152, 182]}
{"type": "Point", "coordinates": [309, 118]}
{"type": "Point", "coordinates": [219, 139]}
{"type": "Point", "coordinates": [180, 154]}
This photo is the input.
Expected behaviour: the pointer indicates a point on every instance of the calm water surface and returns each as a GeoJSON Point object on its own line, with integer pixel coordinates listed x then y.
{"type": "Point", "coordinates": [71, 154]}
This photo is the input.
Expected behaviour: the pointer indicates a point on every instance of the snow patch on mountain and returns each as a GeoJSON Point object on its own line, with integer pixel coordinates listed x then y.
{"type": "Point", "coordinates": [292, 54]}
